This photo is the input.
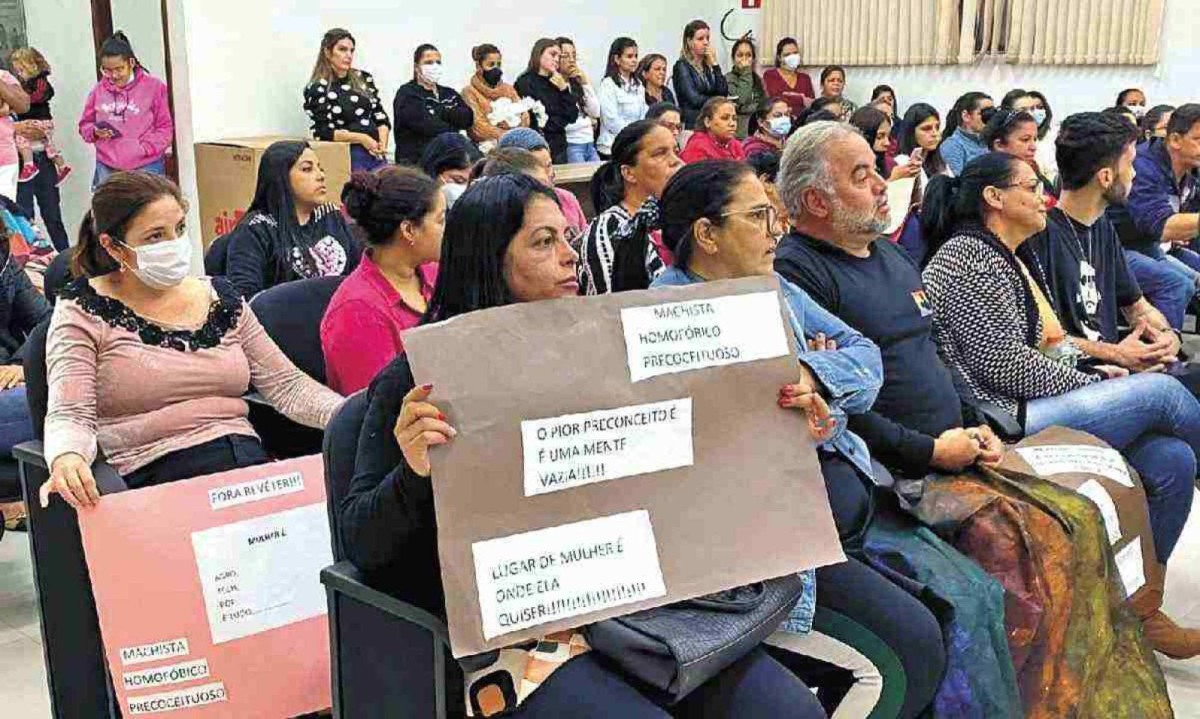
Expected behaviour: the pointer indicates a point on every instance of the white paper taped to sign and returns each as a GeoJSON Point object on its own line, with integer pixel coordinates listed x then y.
{"type": "Point", "coordinates": [1071, 458]}
{"type": "Point", "coordinates": [578, 449]}
{"type": "Point", "coordinates": [549, 574]}
{"type": "Point", "coordinates": [684, 336]}
{"type": "Point", "coordinates": [1096, 492]}
{"type": "Point", "coordinates": [263, 573]}
{"type": "Point", "coordinates": [255, 490]}
{"type": "Point", "coordinates": [189, 698]}
{"type": "Point", "coordinates": [1131, 567]}
{"type": "Point", "coordinates": [168, 649]}
{"type": "Point", "coordinates": [162, 676]}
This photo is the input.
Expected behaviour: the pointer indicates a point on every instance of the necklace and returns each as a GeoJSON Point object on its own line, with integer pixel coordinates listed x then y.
{"type": "Point", "coordinates": [1089, 292]}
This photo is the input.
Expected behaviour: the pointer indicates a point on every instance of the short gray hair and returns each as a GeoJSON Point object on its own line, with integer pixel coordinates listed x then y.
{"type": "Point", "coordinates": [805, 163]}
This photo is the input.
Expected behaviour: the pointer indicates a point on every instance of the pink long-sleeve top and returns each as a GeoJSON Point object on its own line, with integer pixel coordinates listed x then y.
{"type": "Point", "coordinates": [141, 390]}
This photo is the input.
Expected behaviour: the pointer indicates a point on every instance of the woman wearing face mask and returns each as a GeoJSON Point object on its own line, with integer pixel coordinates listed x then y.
{"type": "Point", "coordinates": [715, 137]}
{"type": "Point", "coordinates": [448, 160]}
{"type": "Point", "coordinates": [1134, 100]}
{"type": "Point", "coordinates": [133, 309]}
{"type": "Point", "coordinates": [785, 79]}
{"type": "Point", "coordinates": [544, 83]}
{"type": "Point", "coordinates": [423, 109]}
{"type": "Point", "coordinates": [127, 115]}
{"type": "Point", "coordinates": [744, 84]}
{"type": "Point", "coordinates": [622, 249]}
{"type": "Point", "coordinates": [343, 103]}
{"type": "Point", "coordinates": [833, 84]}
{"type": "Point", "coordinates": [402, 215]}
{"type": "Point", "coordinates": [1038, 107]}
{"type": "Point", "coordinates": [652, 71]}
{"type": "Point", "coordinates": [622, 96]}
{"type": "Point", "coordinates": [291, 230]}
{"type": "Point", "coordinates": [769, 127]}
{"type": "Point", "coordinates": [581, 134]}
{"type": "Point", "coordinates": [697, 76]}
{"type": "Point", "coordinates": [493, 101]}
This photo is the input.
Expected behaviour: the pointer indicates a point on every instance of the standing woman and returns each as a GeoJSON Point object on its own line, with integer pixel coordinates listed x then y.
{"type": "Point", "coordinates": [402, 215]}
{"type": "Point", "coordinates": [423, 109]}
{"type": "Point", "coordinates": [833, 84]}
{"type": "Point", "coordinates": [769, 127]}
{"type": "Point", "coordinates": [543, 82]}
{"type": "Point", "coordinates": [715, 137]}
{"type": "Point", "coordinates": [291, 230]}
{"type": "Point", "coordinates": [126, 115]}
{"type": "Point", "coordinates": [581, 134]}
{"type": "Point", "coordinates": [697, 75]}
{"type": "Point", "coordinates": [622, 97]}
{"type": "Point", "coordinates": [486, 90]}
{"type": "Point", "coordinates": [785, 79]}
{"type": "Point", "coordinates": [652, 71]}
{"type": "Point", "coordinates": [744, 83]}
{"type": "Point", "coordinates": [343, 103]}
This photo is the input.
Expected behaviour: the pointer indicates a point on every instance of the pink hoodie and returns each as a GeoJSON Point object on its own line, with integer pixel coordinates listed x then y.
{"type": "Point", "coordinates": [139, 112]}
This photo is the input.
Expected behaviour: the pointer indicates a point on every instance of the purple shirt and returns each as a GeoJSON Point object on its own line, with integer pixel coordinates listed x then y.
{"type": "Point", "coordinates": [360, 333]}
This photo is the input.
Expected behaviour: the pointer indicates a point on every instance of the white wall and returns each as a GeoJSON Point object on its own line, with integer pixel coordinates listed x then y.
{"type": "Point", "coordinates": [142, 22]}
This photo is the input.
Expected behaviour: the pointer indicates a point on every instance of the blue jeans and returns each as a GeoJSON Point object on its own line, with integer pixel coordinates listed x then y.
{"type": "Point", "coordinates": [15, 425]}
{"type": "Point", "coordinates": [1187, 261]}
{"type": "Point", "coordinates": [1168, 287]}
{"type": "Point", "coordinates": [1154, 421]}
{"type": "Point", "coordinates": [363, 161]}
{"type": "Point", "coordinates": [103, 171]}
{"type": "Point", "coordinates": [582, 153]}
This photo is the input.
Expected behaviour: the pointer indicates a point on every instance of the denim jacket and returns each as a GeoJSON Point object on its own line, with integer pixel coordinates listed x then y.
{"type": "Point", "coordinates": [852, 375]}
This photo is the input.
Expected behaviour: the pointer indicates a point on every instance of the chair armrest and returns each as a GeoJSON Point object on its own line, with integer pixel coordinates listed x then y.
{"type": "Point", "coordinates": [256, 398]}
{"type": "Point", "coordinates": [108, 481]}
{"type": "Point", "coordinates": [345, 578]}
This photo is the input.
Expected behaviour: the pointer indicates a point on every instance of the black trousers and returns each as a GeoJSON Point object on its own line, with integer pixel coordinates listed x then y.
{"type": "Point", "coordinates": [44, 191]}
{"type": "Point", "coordinates": [220, 455]}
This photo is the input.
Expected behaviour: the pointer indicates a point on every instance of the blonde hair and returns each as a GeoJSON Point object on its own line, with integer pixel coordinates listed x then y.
{"type": "Point", "coordinates": [323, 69]}
{"type": "Point", "coordinates": [30, 56]}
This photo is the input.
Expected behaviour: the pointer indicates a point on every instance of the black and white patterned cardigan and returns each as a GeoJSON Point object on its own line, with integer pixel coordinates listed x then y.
{"type": "Point", "coordinates": [986, 323]}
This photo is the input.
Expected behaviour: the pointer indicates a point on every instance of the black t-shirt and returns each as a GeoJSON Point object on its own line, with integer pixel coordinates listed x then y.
{"type": "Point", "coordinates": [882, 296]}
{"type": "Point", "coordinates": [1088, 277]}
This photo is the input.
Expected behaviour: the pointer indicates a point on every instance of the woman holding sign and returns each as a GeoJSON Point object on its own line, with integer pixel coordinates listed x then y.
{"type": "Point", "coordinates": [510, 246]}
{"type": "Point", "coordinates": [719, 223]}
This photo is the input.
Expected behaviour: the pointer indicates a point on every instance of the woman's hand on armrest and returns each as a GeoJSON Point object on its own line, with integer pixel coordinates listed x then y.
{"type": "Point", "coordinates": [71, 477]}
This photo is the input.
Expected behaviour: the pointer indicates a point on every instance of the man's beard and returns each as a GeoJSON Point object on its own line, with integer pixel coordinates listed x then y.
{"type": "Point", "coordinates": [849, 223]}
{"type": "Point", "coordinates": [1117, 194]}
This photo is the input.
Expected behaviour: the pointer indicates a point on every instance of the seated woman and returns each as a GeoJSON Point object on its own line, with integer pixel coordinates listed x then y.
{"type": "Point", "coordinates": [291, 230]}
{"type": "Point", "coordinates": [448, 159]}
{"type": "Point", "coordinates": [919, 148]}
{"type": "Point", "coordinates": [766, 167]}
{"type": "Point", "coordinates": [487, 93]}
{"type": "Point", "coordinates": [769, 127]}
{"type": "Point", "coordinates": [148, 364]}
{"type": "Point", "coordinates": [876, 127]}
{"type": "Point", "coordinates": [715, 137]}
{"type": "Point", "coordinates": [510, 246]}
{"type": "Point", "coordinates": [402, 214]}
{"type": "Point", "coordinates": [996, 328]}
{"type": "Point", "coordinates": [1015, 132]}
{"type": "Point", "coordinates": [619, 250]}
{"type": "Point", "coordinates": [833, 86]}
{"type": "Point", "coordinates": [717, 220]}
{"type": "Point", "coordinates": [423, 109]}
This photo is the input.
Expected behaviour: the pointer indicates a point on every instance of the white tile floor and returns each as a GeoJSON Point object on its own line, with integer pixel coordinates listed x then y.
{"type": "Point", "coordinates": [23, 677]}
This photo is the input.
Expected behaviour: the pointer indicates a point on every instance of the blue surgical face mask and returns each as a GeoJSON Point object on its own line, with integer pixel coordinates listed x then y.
{"type": "Point", "coordinates": [780, 126]}
{"type": "Point", "coordinates": [1039, 115]}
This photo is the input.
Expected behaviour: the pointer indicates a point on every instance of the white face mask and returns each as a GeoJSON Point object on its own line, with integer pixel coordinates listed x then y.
{"type": "Point", "coordinates": [780, 126]}
{"type": "Point", "coordinates": [163, 265]}
{"type": "Point", "coordinates": [1137, 110]}
{"type": "Point", "coordinates": [792, 61]}
{"type": "Point", "coordinates": [1039, 115]}
{"type": "Point", "coordinates": [431, 72]}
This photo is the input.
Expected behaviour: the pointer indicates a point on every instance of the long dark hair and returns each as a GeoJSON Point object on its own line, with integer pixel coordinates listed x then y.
{"type": "Point", "coordinates": [701, 189]}
{"type": "Point", "coordinates": [867, 121]}
{"type": "Point", "coordinates": [608, 185]}
{"type": "Point", "coordinates": [784, 42]}
{"type": "Point", "coordinates": [574, 84]}
{"type": "Point", "coordinates": [618, 48]}
{"type": "Point", "coordinates": [273, 196]}
{"type": "Point", "coordinates": [478, 231]}
{"type": "Point", "coordinates": [917, 114]}
{"type": "Point", "coordinates": [879, 90]}
{"type": "Point", "coordinates": [535, 54]}
{"type": "Point", "coordinates": [448, 151]}
{"type": "Point", "coordinates": [380, 201]}
{"type": "Point", "coordinates": [758, 119]}
{"type": "Point", "coordinates": [965, 103]}
{"type": "Point", "coordinates": [1045, 126]}
{"type": "Point", "coordinates": [118, 45]}
{"type": "Point", "coordinates": [952, 202]}
{"type": "Point", "coordinates": [1151, 118]}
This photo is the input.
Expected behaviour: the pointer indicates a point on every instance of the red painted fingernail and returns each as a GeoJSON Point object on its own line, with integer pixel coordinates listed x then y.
{"type": "Point", "coordinates": [441, 416]}
{"type": "Point", "coordinates": [783, 402]}
{"type": "Point", "coordinates": [786, 391]}
{"type": "Point", "coordinates": [427, 387]}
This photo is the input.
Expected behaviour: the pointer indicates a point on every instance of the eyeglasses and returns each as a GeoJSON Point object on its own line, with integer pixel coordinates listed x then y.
{"type": "Point", "coordinates": [1038, 187]}
{"type": "Point", "coordinates": [766, 215]}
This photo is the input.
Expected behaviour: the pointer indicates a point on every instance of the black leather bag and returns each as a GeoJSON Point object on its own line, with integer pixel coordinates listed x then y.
{"type": "Point", "coordinates": [676, 648]}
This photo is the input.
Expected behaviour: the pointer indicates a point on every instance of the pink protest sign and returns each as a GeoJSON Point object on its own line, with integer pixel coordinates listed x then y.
{"type": "Point", "coordinates": [209, 594]}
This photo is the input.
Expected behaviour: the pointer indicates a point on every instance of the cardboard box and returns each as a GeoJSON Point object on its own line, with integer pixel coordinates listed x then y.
{"type": "Point", "coordinates": [227, 170]}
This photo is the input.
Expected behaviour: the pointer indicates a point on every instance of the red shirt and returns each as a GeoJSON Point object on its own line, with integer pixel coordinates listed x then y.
{"type": "Point", "coordinates": [776, 86]}
{"type": "Point", "coordinates": [360, 333]}
{"type": "Point", "coordinates": [703, 146]}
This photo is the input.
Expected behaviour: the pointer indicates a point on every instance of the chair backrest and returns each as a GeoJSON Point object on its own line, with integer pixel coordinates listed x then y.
{"type": "Point", "coordinates": [58, 274]}
{"type": "Point", "coordinates": [215, 258]}
{"type": "Point", "coordinates": [291, 314]}
{"type": "Point", "coordinates": [37, 390]}
{"type": "Point", "coordinates": [339, 450]}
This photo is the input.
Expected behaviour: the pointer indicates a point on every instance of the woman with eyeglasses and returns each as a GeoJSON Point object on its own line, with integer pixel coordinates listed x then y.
{"type": "Point", "coordinates": [996, 327]}
{"type": "Point", "coordinates": [126, 115]}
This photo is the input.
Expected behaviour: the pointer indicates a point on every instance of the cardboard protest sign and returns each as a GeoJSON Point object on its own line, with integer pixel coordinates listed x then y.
{"type": "Point", "coordinates": [617, 453]}
{"type": "Point", "coordinates": [1078, 461]}
{"type": "Point", "coordinates": [209, 595]}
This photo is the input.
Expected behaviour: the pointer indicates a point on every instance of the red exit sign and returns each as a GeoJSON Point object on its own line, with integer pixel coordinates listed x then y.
{"type": "Point", "coordinates": [751, 4]}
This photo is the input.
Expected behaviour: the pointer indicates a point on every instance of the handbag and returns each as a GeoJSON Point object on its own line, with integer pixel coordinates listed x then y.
{"type": "Point", "coordinates": [678, 647]}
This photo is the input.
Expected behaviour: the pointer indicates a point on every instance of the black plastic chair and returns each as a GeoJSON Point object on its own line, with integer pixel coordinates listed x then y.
{"type": "Point", "coordinates": [57, 275]}
{"type": "Point", "coordinates": [389, 658]}
{"type": "Point", "coordinates": [216, 257]}
{"type": "Point", "coordinates": [291, 315]}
